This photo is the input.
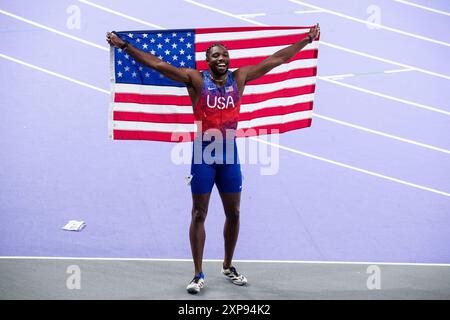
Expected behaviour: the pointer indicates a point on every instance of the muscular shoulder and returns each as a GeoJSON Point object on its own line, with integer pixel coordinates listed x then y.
{"type": "Point", "coordinates": [240, 76]}
{"type": "Point", "coordinates": [194, 75]}
{"type": "Point", "coordinates": [195, 85]}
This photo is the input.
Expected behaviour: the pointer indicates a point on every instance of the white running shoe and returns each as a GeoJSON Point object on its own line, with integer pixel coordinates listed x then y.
{"type": "Point", "coordinates": [234, 276]}
{"type": "Point", "coordinates": [196, 285]}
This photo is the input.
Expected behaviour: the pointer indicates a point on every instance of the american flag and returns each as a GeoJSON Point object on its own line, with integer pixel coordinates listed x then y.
{"type": "Point", "coordinates": [145, 105]}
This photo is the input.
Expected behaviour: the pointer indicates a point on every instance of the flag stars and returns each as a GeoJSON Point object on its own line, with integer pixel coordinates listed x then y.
{"type": "Point", "coordinates": [167, 40]}
{"type": "Point", "coordinates": [159, 35]}
{"type": "Point", "coordinates": [130, 35]}
{"type": "Point", "coordinates": [141, 68]}
{"type": "Point", "coordinates": [167, 52]}
{"type": "Point", "coordinates": [138, 40]}
{"type": "Point", "coordinates": [189, 57]}
{"type": "Point", "coordinates": [159, 45]}
{"type": "Point", "coordinates": [181, 51]}
{"type": "Point", "coordinates": [133, 62]}
{"type": "Point", "coordinates": [127, 56]}
{"type": "Point", "coordinates": [152, 40]}
{"type": "Point", "coordinates": [147, 75]}
{"type": "Point", "coordinates": [174, 46]}
{"type": "Point", "coordinates": [188, 45]}
{"type": "Point", "coordinates": [145, 46]}
{"type": "Point", "coordinates": [181, 39]}
{"type": "Point", "coordinates": [127, 68]}
{"type": "Point", "coordinates": [174, 34]}
{"type": "Point", "coordinates": [134, 74]}
{"type": "Point", "coordinates": [119, 62]}
{"type": "Point", "coordinates": [145, 35]}
{"type": "Point", "coordinates": [160, 57]}
{"type": "Point", "coordinates": [182, 63]}
{"type": "Point", "coordinates": [119, 74]}
{"type": "Point", "coordinates": [174, 57]}
{"type": "Point", "coordinates": [188, 34]}
{"type": "Point", "coordinates": [153, 52]}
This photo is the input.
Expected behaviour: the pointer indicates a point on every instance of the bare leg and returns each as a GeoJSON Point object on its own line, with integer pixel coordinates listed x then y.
{"type": "Point", "coordinates": [231, 204]}
{"type": "Point", "coordinates": [197, 233]}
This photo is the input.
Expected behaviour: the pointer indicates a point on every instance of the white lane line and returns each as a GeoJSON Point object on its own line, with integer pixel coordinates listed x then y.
{"type": "Point", "coordinates": [409, 34]}
{"type": "Point", "coordinates": [117, 13]}
{"type": "Point", "coordinates": [308, 11]}
{"type": "Point", "coordinates": [350, 75]}
{"type": "Point", "coordinates": [39, 25]}
{"type": "Point", "coordinates": [55, 74]}
{"type": "Point", "coordinates": [251, 15]}
{"type": "Point", "coordinates": [370, 56]}
{"type": "Point", "coordinates": [423, 7]}
{"type": "Point", "coordinates": [398, 70]}
{"type": "Point", "coordinates": [385, 96]}
{"type": "Point", "coordinates": [339, 76]}
{"type": "Point", "coordinates": [334, 46]}
{"type": "Point", "coordinates": [224, 12]}
{"type": "Point", "coordinates": [256, 139]}
{"type": "Point", "coordinates": [340, 164]}
{"type": "Point", "coordinates": [418, 264]}
{"type": "Point", "coordinates": [347, 124]}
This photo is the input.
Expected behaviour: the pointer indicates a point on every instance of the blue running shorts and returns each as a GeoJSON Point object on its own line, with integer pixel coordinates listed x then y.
{"type": "Point", "coordinates": [215, 163]}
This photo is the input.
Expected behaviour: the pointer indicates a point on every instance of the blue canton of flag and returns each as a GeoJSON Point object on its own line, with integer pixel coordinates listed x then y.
{"type": "Point", "coordinates": [175, 47]}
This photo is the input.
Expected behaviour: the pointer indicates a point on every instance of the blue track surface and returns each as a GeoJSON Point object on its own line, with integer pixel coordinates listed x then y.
{"type": "Point", "coordinates": [58, 164]}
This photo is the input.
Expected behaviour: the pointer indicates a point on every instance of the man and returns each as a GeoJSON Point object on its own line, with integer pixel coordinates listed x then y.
{"type": "Point", "coordinates": [215, 95]}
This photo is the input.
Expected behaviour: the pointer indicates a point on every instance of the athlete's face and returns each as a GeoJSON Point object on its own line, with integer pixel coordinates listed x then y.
{"type": "Point", "coordinates": [218, 60]}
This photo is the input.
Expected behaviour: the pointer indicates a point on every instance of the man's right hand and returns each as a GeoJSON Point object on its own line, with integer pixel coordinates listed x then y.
{"type": "Point", "coordinates": [114, 40]}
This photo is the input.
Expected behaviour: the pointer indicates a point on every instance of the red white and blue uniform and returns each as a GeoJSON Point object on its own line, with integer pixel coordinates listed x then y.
{"type": "Point", "coordinates": [218, 108]}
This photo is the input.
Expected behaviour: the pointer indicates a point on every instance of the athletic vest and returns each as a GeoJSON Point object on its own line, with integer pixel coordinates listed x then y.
{"type": "Point", "coordinates": [218, 106]}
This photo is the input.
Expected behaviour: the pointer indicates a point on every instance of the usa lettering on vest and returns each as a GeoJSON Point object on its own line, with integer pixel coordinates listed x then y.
{"type": "Point", "coordinates": [220, 103]}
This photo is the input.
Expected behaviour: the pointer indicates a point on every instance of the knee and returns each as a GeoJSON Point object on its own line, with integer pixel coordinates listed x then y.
{"type": "Point", "coordinates": [199, 215]}
{"type": "Point", "coordinates": [233, 214]}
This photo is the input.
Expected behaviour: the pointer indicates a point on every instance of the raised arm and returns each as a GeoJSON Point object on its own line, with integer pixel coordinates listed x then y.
{"type": "Point", "coordinates": [250, 73]}
{"type": "Point", "coordinates": [184, 75]}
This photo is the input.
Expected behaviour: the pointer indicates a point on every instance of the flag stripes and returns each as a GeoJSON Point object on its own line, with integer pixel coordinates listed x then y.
{"type": "Point", "coordinates": [280, 100]}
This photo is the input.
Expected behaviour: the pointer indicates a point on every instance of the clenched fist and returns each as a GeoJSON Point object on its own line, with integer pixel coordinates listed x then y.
{"type": "Point", "coordinates": [115, 41]}
{"type": "Point", "coordinates": [314, 31]}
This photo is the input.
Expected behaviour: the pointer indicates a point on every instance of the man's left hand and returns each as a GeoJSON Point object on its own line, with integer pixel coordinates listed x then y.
{"type": "Point", "coordinates": [314, 31]}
